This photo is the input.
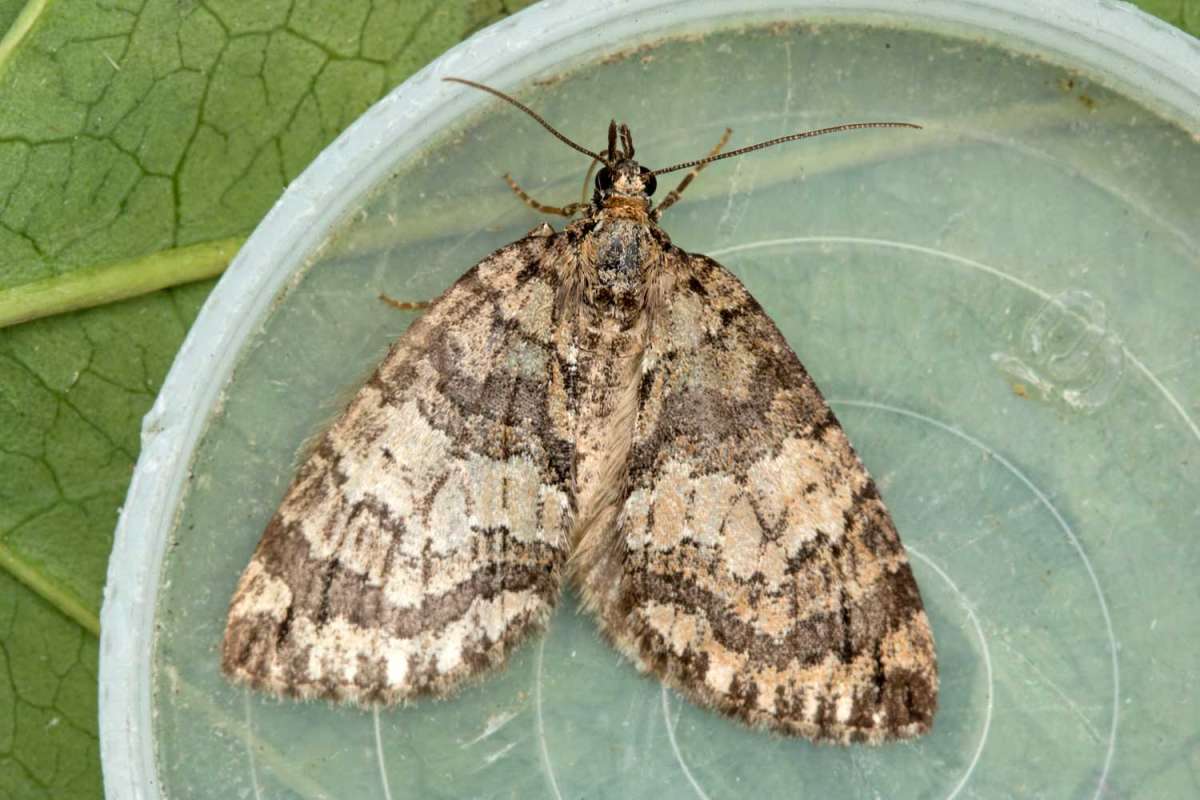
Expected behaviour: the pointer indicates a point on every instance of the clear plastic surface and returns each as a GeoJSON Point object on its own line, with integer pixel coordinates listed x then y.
{"type": "Point", "coordinates": [1001, 309]}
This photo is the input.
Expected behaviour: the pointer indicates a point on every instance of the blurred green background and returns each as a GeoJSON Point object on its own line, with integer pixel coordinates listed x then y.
{"type": "Point", "coordinates": [140, 142]}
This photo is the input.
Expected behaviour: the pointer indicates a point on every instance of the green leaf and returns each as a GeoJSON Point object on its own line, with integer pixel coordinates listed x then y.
{"type": "Point", "coordinates": [1181, 13]}
{"type": "Point", "coordinates": [8, 12]}
{"type": "Point", "coordinates": [73, 390]}
{"type": "Point", "coordinates": [129, 132]}
{"type": "Point", "coordinates": [48, 744]}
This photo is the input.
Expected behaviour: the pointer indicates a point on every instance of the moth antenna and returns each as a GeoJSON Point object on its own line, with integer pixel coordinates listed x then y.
{"type": "Point", "coordinates": [851, 126]}
{"type": "Point", "coordinates": [612, 140]}
{"type": "Point", "coordinates": [587, 182]}
{"type": "Point", "coordinates": [562, 138]}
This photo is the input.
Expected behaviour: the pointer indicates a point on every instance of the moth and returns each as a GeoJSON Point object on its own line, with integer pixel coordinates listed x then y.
{"type": "Point", "coordinates": [595, 406]}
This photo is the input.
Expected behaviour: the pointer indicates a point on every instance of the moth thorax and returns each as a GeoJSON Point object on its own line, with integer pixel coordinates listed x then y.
{"type": "Point", "coordinates": [619, 251]}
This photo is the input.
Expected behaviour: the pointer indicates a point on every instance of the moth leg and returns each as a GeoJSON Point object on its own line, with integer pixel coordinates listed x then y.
{"type": "Point", "coordinates": [406, 305]}
{"type": "Point", "coordinates": [587, 181]}
{"type": "Point", "coordinates": [673, 195]}
{"type": "Point", "coordinates": [566, 211]}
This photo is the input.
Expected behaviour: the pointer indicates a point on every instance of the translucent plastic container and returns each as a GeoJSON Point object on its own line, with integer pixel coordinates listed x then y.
{"type": "Point", "coordinates": [1001, 309]}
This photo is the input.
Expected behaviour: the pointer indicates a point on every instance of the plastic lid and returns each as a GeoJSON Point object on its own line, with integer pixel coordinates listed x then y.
{"type": "Point", "coordinates": [1001, 310]}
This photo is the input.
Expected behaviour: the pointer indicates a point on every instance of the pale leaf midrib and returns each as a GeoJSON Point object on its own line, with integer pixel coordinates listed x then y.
{"type": "Point", "coordinates": [19, 29]}
{"type": "Point", "coordinates": [119, 280]}
{"type": "Point", "coordinates": [48, 590]}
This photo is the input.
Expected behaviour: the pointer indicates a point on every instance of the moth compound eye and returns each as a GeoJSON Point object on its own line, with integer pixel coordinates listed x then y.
{"type": "Point", "coordinates": [649, 182]}
{"type": "Point", "coordinates": [604, 180]}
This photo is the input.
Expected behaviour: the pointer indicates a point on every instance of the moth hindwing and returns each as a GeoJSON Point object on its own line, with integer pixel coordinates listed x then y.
{"type": "Point", "coordinates": [600, 406]}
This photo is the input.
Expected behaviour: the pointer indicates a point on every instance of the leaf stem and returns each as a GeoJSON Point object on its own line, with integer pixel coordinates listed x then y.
{"type": "Point", "coordinates": [104, 283]}
{"type": "Point", "coordinates": [45, 588]}
{"type": "Point", "coordinates": [20, 28]}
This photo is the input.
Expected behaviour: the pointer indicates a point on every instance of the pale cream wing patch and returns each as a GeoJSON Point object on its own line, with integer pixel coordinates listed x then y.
{"type": "Point", "coordinates": [754, 566]}
{"type": "Point", "coordinates": [426, 534]}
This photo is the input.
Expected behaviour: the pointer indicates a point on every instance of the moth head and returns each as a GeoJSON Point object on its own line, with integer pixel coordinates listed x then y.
{"type": "Point", "coordinates": [621, 176]}
{"type": "Point", "coordinates": [627, 179]}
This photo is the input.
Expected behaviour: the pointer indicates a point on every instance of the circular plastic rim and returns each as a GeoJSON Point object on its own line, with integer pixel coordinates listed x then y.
{"type": "Point", "coordinates": [1152, 59]}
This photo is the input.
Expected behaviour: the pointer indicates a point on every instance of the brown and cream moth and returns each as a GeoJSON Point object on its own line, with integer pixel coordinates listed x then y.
{"type": "Point", "coordinates": [594, 405]}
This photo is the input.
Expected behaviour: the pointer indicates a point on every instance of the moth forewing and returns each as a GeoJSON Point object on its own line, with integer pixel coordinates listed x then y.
{"type": "Point", "coordinates": [426, 534]}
